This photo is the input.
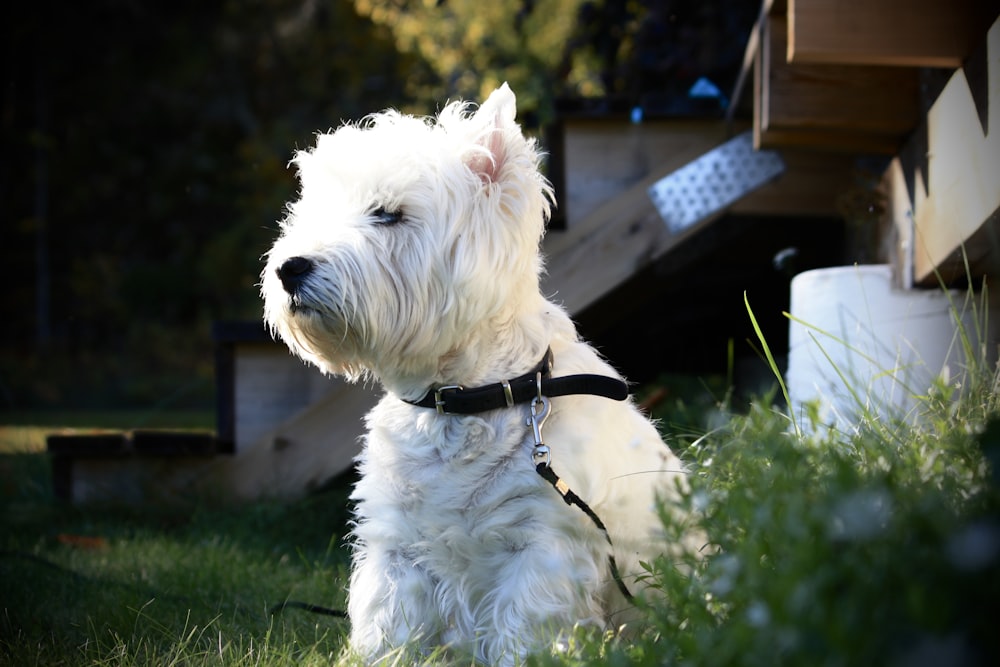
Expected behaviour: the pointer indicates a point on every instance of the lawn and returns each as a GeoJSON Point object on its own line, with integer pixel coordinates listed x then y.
{"type": "Point", "coordinates": [875, 547]}
{"type": "Point", "coordinates": [119, 585]}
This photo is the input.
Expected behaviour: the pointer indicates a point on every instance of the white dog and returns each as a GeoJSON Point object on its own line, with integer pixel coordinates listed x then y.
{"type": "Point", "coordinates": [412, 256]}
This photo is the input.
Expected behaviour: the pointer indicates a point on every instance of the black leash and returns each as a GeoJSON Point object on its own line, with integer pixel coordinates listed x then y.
{"type": "Point", "coordinates": [571, 498]}
{"type": "Point", "coordinates": [306, 606]}
{"type": "Point", "coordinates": [540, 454]}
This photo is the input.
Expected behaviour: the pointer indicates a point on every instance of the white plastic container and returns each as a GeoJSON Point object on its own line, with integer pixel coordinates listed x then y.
{"type": "Point", "coordinates": [858, 345]}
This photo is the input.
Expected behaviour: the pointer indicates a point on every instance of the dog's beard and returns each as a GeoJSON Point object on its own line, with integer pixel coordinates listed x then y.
{"type": "Point", "coordinates": [332, 350]}
{"type": "Point", "coordinates": [346, 336]}
{"type": "Point", "coordinates": [315, 328]}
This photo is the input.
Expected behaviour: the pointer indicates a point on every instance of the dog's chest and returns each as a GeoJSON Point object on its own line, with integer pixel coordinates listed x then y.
{"type": "Point", "coordinates": [450, 487]}
{"type": "Point", "coordinates": [448, 462]}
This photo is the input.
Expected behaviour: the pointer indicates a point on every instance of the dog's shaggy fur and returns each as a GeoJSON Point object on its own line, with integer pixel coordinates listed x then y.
{"type": "Point", "coordinates": [412, 256]}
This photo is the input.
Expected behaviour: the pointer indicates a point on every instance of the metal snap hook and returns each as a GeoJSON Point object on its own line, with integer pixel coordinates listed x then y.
{"type": "Point", "coordinates": [538, 416]}
{"type": "Point", "coordinates": [540, 407]}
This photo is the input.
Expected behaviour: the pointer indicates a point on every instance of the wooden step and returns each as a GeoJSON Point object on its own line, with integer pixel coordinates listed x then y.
{"type": "Point", "coordinates": [126, 466]}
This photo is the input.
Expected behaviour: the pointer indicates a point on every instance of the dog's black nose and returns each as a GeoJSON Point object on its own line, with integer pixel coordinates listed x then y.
{"type": "Point", "coordinates": [293, 271]}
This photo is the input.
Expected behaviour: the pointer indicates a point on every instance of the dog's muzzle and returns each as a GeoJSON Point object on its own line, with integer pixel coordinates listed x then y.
{"type": "Point", "coordinates": [293, 272]}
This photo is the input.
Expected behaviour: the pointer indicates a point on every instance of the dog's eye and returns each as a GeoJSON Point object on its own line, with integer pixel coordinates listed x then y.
{"type": "Point", "coordinates": [384, 216]}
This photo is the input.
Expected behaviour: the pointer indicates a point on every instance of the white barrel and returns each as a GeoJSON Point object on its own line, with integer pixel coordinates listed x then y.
{"type": "Point", "coordinates": [858, 344]}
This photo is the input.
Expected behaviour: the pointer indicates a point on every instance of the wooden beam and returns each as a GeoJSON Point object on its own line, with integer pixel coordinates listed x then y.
{"type": "Point", "coordinates": [830, 107]}
{"type": "Point", "coordinates": [749, 54]}
{"type": "Point", "coordinates": [944, 187]}
{"type": "Point", "coordinates": [270, 386]}
{"type": "Point", "coordinates": [625, 233]}
{"type": "Point", "coordinates": [300, 454]}
{"type": "Point", "coordinates": [606, 156]}
{"type": "Point", "coordinates": [600, 252]}
{"type": "Point", "coordinates": [912, 33]}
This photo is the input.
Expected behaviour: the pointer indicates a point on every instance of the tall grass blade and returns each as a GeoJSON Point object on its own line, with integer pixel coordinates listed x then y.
{"type": "Point", "coordinates": [770, 357]}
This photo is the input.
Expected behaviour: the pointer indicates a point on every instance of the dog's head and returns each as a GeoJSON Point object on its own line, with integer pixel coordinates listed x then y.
{"type": "Point", "coordinates": [408, 235]}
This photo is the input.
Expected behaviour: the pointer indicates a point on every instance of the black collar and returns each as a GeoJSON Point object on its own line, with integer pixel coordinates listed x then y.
{"type": "Point", "coordinates": [458, 400]}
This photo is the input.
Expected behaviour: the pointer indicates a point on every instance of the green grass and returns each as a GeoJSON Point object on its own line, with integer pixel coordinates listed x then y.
{"type": "Point", "coordinates": [878, 547]}
{"type": "Point", "coordinates": [142, 586]}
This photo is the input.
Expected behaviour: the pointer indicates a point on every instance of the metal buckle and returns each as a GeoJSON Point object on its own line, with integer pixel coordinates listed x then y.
{"type": "Point", "coordinates": [439, 400]}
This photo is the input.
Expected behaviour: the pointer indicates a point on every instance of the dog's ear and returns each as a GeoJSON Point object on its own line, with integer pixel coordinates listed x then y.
{"type": "Point", "coordinates": [495, 121]}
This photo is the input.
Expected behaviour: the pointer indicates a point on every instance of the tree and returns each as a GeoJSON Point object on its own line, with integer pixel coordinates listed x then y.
{"type": "Point", "coordinates": [474, 46]}
{"type": "Point", "coordinates": [636, 52]}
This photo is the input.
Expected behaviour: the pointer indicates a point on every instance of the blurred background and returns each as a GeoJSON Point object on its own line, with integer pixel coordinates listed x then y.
{"type": "Point", "coordinates": [146, 147]}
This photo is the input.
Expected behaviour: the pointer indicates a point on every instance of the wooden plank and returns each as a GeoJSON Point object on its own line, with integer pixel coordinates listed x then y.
{"type": "Point", "coordinates": [877, 100]}
{"type": "Point", "coordinates": [853, 143]}
{"type": "Point", "coordinates": [749, 54]}
{"type": "Point", "coordinates": [682, 140]}
{"type": "Point", "coordinates": [899, 210]}
{"type": "Point", "coordinates": [271, 386]}
{"type": "Point", "coordinates": [304, 452]}
{"type": "Point", "coordinates": [945, 185]}
{"type": "Point", "coordinates": [830, 107]}
{"type": "Point", "coordinates": [605, 249]}
{"type": "Point", "coordinates": [625, 233]}
{"type": "Point", "coordinates": [227, 336]}
{"type": "Point", "coordinates": [604, 157]}
{"type": "Point", "coordinates": [911, 33]}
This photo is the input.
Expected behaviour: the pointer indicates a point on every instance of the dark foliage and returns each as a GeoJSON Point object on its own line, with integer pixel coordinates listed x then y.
{"type": "Point", "coordinates": [144, 170]}
{"type": "Point", "coordinates": [144, 164]}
